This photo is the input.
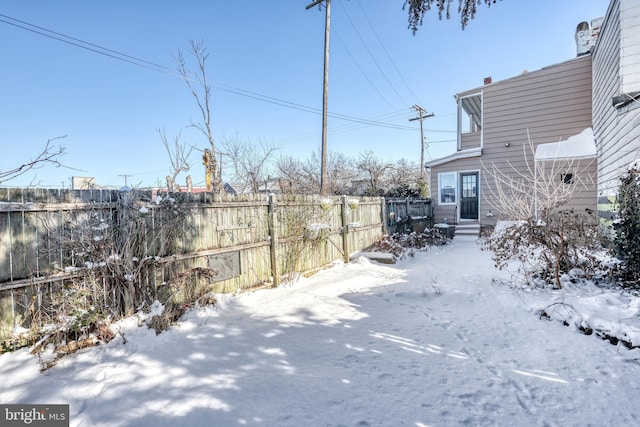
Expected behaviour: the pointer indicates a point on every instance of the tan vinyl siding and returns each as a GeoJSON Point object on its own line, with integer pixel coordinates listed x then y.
{"type": "Point", "coordinates": [584, 185]}
{"type": "Point", "coordinates": [548, 105]}
{"type": "Point", "coordinates": [462, 165]}
{"type": "Point", "coordinates": [543, 106]}
{"type": "Point", "coordinates": [470, 140]}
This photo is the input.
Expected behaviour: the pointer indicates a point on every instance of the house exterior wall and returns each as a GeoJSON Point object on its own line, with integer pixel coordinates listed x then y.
{"type": "Point", "coordinates": [470, 140]}
{"type": "Point", "coordinates": [616, 71]}
{"type": "Point", "coordinates": [542, 106]}
{"type": "Point", "coordinates": [451, 211]}
{"type": "Point", "coordinates": [584, 181]}
{"type": "Point", "coordinates": [629, 45]}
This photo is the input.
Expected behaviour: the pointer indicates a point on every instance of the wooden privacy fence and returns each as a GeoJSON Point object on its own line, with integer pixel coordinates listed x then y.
{"type": "Point", "coordinates": [407, 215]}
{"type": "Point", "coordinates": [250, 240]}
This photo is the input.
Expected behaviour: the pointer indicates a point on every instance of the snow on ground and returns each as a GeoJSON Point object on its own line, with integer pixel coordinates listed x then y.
{"type": "Point", "coordinates": [439, 339]}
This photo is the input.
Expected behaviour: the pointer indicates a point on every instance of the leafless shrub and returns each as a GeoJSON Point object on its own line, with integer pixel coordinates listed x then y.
{"type": "Point", "coordinates": [401, 244]}
{"type": "Point", "coordinates": [114, 257]}
{"type": "Point", "coordinates": [544, 236]}
{"type": "Point", "coordinates": [306, 226]}
{"type": "Point", "coordinates": [534, 190]}
{"type": "Point", "coordinates": [546, 249]}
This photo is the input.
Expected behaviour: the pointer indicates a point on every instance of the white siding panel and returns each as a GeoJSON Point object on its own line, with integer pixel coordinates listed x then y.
{"type": "Point", "coordinates": [606, 85]}
{"type": "Point", "coordinates": [616, 70]}
{"type": "Point", "coordinates": [630, 45]}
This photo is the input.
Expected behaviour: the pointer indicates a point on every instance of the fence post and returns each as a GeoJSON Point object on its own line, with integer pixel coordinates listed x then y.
{"type": "Point", "coordinates": [125, 203]}
{"type": "Point", "coordinates": [273, 239]}
{"type": "Point", "coordinates": [407, 204]}
{"type": "Point", "coordinates": [383, 215]}
{"type": "Point", "coordinates": [345, 231]}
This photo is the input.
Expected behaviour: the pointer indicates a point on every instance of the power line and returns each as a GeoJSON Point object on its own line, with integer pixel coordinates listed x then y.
{"type": "Point", "coordinates": [362, 70]}
{"type": "Point", "coordinates": [385, 118]}
{"type": "Point", "coordinates": [386, 51]}
{"type": "Point", "coordinates": [134, 60]}
{"type": "Point", "coordinates": [296, 106]}
{"type": "Point", "coordinates": [83, 44]}
{"type": "Point", "coordinates": [372, 56]}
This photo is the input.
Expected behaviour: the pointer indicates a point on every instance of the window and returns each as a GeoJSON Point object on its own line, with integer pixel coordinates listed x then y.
{"type": "Point", "coordinates": [566, 178]}
{"type": "Point", "coordinates": [469, 185]}
{"type": "Point", "coordinates": [447, 188]}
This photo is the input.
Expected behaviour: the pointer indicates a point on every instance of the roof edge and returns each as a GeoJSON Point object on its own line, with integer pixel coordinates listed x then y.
{"type": "Point", "coordinates": [463, 154]}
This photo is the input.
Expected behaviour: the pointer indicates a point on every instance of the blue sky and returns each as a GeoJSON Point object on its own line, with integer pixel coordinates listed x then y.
{"type": "Point", "coordinates": [110, 110]}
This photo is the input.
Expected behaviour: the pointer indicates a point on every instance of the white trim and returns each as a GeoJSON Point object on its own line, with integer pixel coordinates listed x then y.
{"type": "Point", "coordinates": [463, 154]}
{"type": "Point", "coordinates": [459, 99]}
{"type": "Point", "coordinates": [481, 120]}
{"type": "Point", "coordinates": [456, 178]}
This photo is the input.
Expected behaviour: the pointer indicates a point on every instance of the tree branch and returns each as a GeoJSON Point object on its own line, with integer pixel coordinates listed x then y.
{"type": "Point", "coordinates": [49, 155]}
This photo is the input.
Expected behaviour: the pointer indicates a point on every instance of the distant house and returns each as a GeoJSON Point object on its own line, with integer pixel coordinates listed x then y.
{"type": "Point", "coordinates": [83, 183]}
{"type": "Point", "coordinates": [266, 186]}
{"type": "Point", "coordinates": [616, 97]}
{"type": "Point", "coordinates": [496, 124]}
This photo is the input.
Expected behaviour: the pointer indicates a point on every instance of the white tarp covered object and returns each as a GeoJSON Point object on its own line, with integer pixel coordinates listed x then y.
{"type": "Point", "coordinates": [580, 146]}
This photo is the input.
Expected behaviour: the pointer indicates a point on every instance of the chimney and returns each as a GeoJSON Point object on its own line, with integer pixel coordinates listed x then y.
{"type": "Point", "coordinates": [487, 80]}
{"type": "Point", "coordinates": [584, 40]}
{"type": "Point", "coordinates": [586, 36]}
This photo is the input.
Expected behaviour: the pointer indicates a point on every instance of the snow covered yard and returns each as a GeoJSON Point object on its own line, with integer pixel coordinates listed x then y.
{"type": "Point", "coordinates": [436, 340]}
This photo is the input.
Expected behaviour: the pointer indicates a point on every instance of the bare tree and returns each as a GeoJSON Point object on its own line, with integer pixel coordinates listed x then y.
{"type": "Point", "coordinates": [291, 175]}
{"type": "Point", "coordinates": [250, 164]}
{"type": "Point", "coordinates": [179, 153]}
{"type": "Point", "coordinates": [418, 8]}
{"type": "Point", "coordinates": [201, 91]}
{"type": "Point", "coordinates": [300, 176]}
{"type": "Point", "coordinates": [303, 177]}
{"type": "Point", "coordinates": [536, 190]}
{"type": "Point", "coordinates": [374, 169]}
{"type": "Point", "coordinates": [50, 154]}
{"type": "Point", "coordinates": [342, 173]}
{"type": "Point", "coordinates": [403, 172]}
{"type": "Point", "coordinates": [404, 180]}
{"type": "Point", "coordinates": [545, 236]}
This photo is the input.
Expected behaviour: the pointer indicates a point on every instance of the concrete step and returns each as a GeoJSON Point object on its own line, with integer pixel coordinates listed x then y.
{"type": "Point", "coordinates": [467, 229]}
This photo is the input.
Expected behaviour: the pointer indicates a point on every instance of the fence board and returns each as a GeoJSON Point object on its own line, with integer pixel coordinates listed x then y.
{"type": "Point", "coordinates": [407, 215]}
{"type": "Point", "coordinates": [34, 224]}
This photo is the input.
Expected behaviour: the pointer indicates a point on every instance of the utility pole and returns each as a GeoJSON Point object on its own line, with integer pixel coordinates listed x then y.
{"type": "Point", "coordinates": [325, 94]}
{"type": "Point", "coordinates": [126, 184]}
{"type": "Point", "coordinates": [422, 114]}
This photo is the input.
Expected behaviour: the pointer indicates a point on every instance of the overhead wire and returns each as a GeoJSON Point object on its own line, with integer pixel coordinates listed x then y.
{"type": "Point", "coordinates": [373, 29]}
{"type": "Point", "coordinates": [83, 44]}
{"type": "Point", "coordinates": [361, 69]}
{"type": "Point", "coordinates": [375, 61]}
{"type": "Point", "coordinates": [134, 60]}
{"type": "Point", "coordinates": [277, 101]}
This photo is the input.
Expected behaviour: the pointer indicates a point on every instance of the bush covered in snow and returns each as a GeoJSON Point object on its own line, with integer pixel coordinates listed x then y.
{"type": "Point", "coordinates": [546, 249]}
{"type": "Point", "coordinates": [407, 244]}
